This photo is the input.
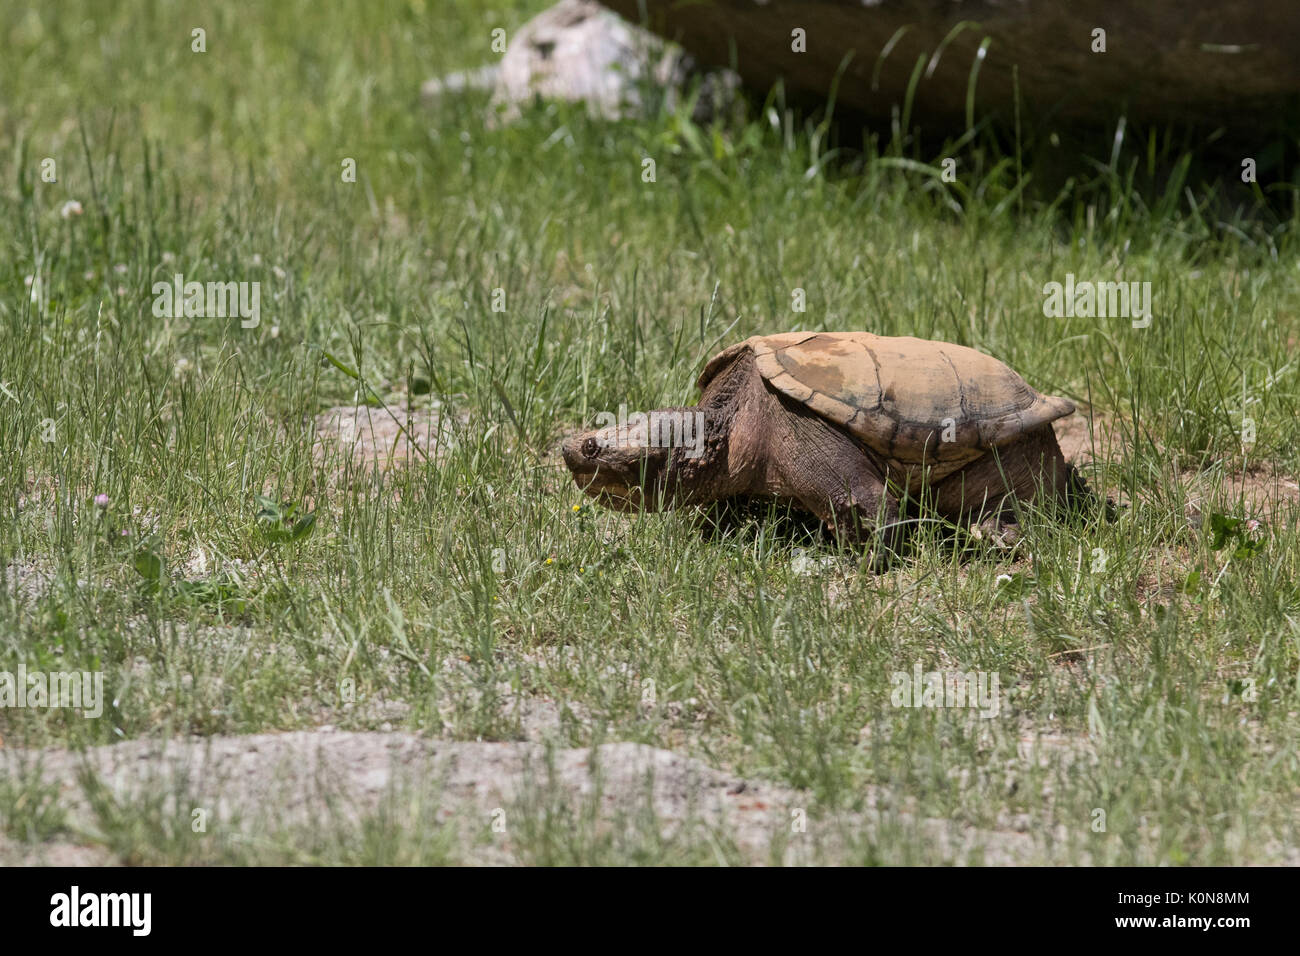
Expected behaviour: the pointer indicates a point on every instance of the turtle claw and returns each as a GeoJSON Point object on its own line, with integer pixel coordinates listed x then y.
{"type": "Point", "coordinates": [999, 534]}
{"type": "Point", "coordinates": [1008, 537]}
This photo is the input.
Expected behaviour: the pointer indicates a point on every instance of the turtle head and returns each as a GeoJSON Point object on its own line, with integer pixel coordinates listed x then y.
{"type": "Point", "coordinates": [641, 462]}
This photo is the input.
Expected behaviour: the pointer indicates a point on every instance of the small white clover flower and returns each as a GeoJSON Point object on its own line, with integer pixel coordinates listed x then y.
{"type": "Point", "coordinates": [70, 208]}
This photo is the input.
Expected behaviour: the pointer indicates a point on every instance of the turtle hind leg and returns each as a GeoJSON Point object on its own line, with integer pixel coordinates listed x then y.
{"type": "Point", "coordinates": [1001, 529]}
{"type": "Point", "coordinates": [986, 494]}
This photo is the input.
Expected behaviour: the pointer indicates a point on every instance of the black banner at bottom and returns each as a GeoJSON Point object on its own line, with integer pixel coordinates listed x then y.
{"type": "Point", "coordinates": [333, 906]}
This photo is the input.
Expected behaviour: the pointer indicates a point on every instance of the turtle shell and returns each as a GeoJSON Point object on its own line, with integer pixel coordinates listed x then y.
{"type": "Point", "coordinates": [913, 401]}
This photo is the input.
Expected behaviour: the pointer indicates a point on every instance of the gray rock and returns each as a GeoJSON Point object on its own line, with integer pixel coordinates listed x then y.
{"type": "Point", "coordinates": [1235, 60]}
{"type": "Point", "coordinates": [581, 52]}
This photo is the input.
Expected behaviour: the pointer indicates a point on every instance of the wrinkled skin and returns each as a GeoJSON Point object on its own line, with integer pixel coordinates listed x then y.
{"type": "Point", "coordinates": [758, 443]}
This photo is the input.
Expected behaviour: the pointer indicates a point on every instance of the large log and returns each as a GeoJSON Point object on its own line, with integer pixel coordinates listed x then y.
{"type": "Point", "coordinates": [1234, 60]}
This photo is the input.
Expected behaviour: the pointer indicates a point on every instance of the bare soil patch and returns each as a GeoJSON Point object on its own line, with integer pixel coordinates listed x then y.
{"type": "Point", "coordinates": [312, 776]}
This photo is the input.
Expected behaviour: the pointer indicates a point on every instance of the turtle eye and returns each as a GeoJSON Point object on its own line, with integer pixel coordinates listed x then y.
{"type": "Point", "coordinates": [590, 448]}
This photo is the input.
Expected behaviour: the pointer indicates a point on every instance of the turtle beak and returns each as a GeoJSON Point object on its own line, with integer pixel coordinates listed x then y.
{"type": "Point", "coordinates": [582, 455]}
{"type": "Point", "coordinates": [602, 470]}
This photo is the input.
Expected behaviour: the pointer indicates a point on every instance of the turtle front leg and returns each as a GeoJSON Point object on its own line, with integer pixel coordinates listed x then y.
{"type": "Point", "coordinates": [862, 512]}
{"type": "Point", "coordinates": [832, 477]}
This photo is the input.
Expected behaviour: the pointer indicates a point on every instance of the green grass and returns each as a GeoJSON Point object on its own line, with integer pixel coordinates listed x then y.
{"type": "Point", "coordinates": [427, 597]}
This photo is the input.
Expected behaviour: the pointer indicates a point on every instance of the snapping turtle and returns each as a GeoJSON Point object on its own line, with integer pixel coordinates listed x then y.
{"type": "Point", "coordinates": [848, 426]}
